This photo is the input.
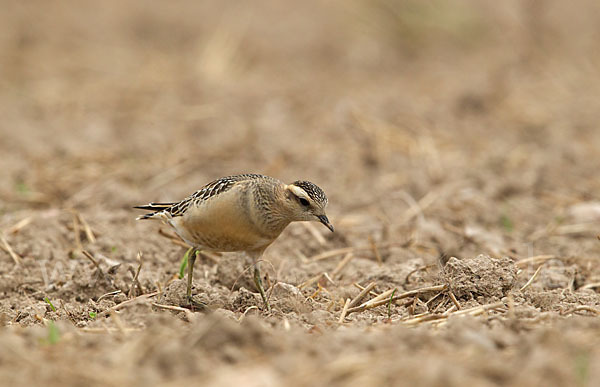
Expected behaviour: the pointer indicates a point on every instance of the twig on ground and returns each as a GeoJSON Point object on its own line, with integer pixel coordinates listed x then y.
{"type": "Point", "coordinates": [108, 295]}
{"type": "Point", "coordinates": [435, 318]}
{"type": "Point", "coordinates": [91, 258]}
{"type": "Point", "coordinates": [246, 312]}
{"type": "Point", "coordinates": [76, 231]}
{"type": "Point", "coordinates": [407, 279]}
{"type": "Point", "coordinates": [407, 303]}
{"type": "Point", "coordinates": [591, 286]}
{"type": "Point", "coordinates": [521, 264]}
{"type": "Point", "coordinates": [454, 300]}
{"type": "Point", "coordinates": [414, 292]}
{"type": "Point", "coordinates": [69, 313]}
{"type": "Point", "coordinates": [19, 225]}
{"type": "Point", "coordinates": [581, 308]}
{"type": "Point", "coordinates": [434, 297]}
{"type": "Point", "coordinates": [87, 229]}
{"type": "Point", "coordinates": [412, 306]}
{"type": "Point", "coordinates": [311, 281]}
{"type": "Point", "coordinates": [511, 306]}
{"type": "Point", "coordinates": [160, 290]}
{"type": "Point", "coordinates": [133, 301]}
{"type": "Point", "coordinates": [342, 264]}
{"type": "Point", "coordinates": [374, 294]}
{"type": "Point", "coordinates": [532, 278]}
{"type": "Point", "coordinates": [135, 282]}
{"type": "Point", "coordinates": [187, 312]}
{"type": "Point", "coordinates": [316, 292]}
{"type": "Point", "coordinates": [423, 318]}
{"type": "Point", "coordinates": [452, 309]}
{"type": "Point", "coordinates": [344, 311]}
{"type": "Point", "coordinates": [477, 310]}
{"type": "Point", "coordinates": [15, 257]}
{"type": "Point", "coordinates": [375, 250]}
{"type": "Point", "coordinates": [366, 290]}
{"type": "Point", "coordinates": [382, 298]}
{"type": "Point", "coordinates": [577, 228]}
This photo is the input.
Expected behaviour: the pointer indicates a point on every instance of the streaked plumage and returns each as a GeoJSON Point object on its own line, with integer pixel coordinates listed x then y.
{"type": "Point", "coordinates": [240, 213]}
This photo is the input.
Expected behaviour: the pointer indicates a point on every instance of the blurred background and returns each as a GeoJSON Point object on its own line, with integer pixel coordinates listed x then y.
{"type": "Point", "coordinates": [436, 128]}
{"type": "Point", "coordinates": [491, 108]}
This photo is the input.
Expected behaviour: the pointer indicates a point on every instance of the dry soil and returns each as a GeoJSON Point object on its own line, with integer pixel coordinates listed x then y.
{"type": "Point", "coordinates": [458, 143]}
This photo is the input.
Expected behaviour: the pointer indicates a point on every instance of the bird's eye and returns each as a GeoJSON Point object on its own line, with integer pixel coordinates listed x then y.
{"type": "Point", "coordinates": [304, 202]}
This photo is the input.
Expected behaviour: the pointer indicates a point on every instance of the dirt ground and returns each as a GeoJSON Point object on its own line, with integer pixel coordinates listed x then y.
{"type": "Point", "coordinates": [458, 143]}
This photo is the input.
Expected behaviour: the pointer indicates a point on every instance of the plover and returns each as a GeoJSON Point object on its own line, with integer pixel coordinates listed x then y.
{"type": "Point", "coordinates": [240, 213]}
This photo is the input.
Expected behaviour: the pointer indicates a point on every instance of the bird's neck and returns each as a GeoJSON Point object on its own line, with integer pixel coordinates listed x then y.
{"type": "Point", "coordinates": [271, 216]}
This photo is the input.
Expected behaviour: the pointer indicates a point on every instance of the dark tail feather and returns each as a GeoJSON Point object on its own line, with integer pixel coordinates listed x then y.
{"type": "Point", "coordinates": [154, 207]}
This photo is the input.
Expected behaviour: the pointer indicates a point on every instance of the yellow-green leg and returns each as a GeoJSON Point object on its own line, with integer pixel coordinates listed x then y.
{"type": "Point", "coordinates": [190, 277]}
{"type": "Point", "coordinates": [259, 286]}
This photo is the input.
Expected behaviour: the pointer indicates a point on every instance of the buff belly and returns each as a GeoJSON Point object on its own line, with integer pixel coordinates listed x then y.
{"type": "Point", "coordinates": [218, 226]}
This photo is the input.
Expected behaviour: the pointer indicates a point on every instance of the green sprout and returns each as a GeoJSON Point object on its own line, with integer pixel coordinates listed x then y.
{"type": "Point", "coordinates": [93, 315]}
{"type": "Point", "coordinates": [22, 188]}
{"type": "Point", "coordinates": [390, 303]}
{"type": "Point", "coordinates": [50, 303]}
{"type": "Point", "coordinates": [582, 369]}
{"type": "Point", "coordinates": [506, 223]}
{"type": "Point", "coordinates": [184, 263]}
{"type": "Point", "coordinates": [53, 333]}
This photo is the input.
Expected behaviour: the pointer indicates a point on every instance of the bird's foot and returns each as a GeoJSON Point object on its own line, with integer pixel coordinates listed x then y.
{"type": "Point", "coordinates": [261, 289]}
{"type": "Point", "coordinates": [266, 303]}
{"type": "Point", "coordinates": [263, 295]}
{"type": "Point", "coordinates": [192, 304]}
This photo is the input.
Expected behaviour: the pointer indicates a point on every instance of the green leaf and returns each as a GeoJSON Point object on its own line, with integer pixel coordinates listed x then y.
{"type": "Point", "coordinates": [507, 223]}
{"type": "Point", "coordinates": [184, 263]}
{"type": "Point", "coordinates": [22, 188]}
{"type": "Point", "coordinates": [582, 369]}
{"type": "Point", "coordinates": [93, 314]}
{"type": "Point", "coordinates": [49, 303]}
{"type": "Point", "coordinates": [53, 333]}
{"type": "Point", "coordinates": [390, 304]}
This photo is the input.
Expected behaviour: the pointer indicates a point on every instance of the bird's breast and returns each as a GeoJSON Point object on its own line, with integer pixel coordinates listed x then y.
{"type": "Point", "coordinates": [221, 224]}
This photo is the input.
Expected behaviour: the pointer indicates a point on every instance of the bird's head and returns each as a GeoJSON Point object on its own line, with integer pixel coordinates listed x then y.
{"type": "Point", "coordinates": [307, 201]}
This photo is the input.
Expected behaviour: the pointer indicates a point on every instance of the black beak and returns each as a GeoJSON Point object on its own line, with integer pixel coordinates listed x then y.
{"type": "Point", "coordinates": [323, 219]}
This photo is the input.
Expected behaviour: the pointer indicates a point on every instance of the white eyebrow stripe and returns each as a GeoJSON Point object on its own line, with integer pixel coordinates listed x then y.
{"type": "Point", "coordinates": [298, 191]}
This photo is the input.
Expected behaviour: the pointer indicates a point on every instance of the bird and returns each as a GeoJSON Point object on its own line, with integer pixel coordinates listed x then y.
{"type": "Point", "coordinates": [245, 212]}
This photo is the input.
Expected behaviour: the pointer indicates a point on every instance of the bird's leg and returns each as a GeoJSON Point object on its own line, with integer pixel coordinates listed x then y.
{"type": "Point", "coordinates": [259, 286]}
{"type": "Point", "coordinates": [191, 261]}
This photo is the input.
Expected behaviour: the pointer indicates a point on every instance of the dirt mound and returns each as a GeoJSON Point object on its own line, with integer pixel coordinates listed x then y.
{"type": "Point", "coordinates": [483, 278]}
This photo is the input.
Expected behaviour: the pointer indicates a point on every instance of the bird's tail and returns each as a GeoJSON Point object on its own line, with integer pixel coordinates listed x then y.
{"type": "Point", "coordinates": [156, 208]}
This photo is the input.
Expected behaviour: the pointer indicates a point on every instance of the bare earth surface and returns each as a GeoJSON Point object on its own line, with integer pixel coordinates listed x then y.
{"type": "Point", "coordinates": [458, 144]}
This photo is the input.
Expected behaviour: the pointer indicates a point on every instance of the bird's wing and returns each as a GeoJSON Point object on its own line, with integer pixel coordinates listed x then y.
{"type": "Point", "coordinates": [207, 192]}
